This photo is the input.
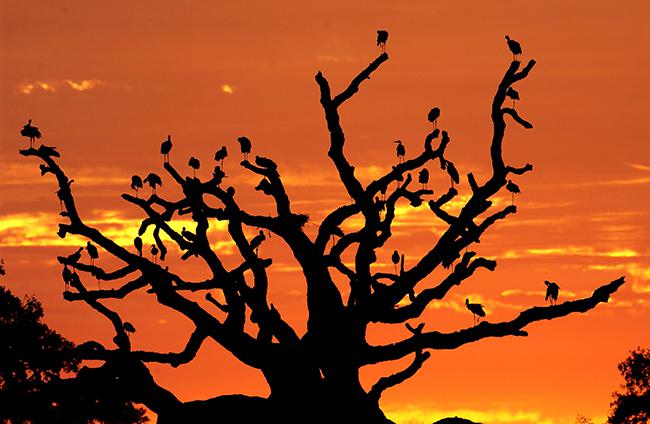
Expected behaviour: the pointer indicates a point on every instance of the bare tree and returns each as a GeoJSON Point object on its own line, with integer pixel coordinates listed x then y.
{"type": "Point", "coordinates": [313, 376]}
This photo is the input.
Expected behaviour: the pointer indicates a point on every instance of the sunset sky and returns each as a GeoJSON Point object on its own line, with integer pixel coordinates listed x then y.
{"type": "Point", "coordinates": [107, 81]}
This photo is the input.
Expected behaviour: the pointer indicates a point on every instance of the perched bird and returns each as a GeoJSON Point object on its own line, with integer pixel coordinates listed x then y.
{"type": "Point", "coordinates": [92, 252]}
{"type": "Point", "coordinates": [257, 241]}
{"type": "Point", "coordinates": [245, 145]}
{"type": "Point", "coordinates": [221, 154]}
{"type": "Point", "coordinates": [137, 242]}
{"type": "Point", "coordinates": [512, 188]}
{"type": "Point", "coordinates": [195, 164]}
{"type": "Point", "coordinates": [165, 148]}
{"type": "Point", "coordinates": [395, 259]}
{"type": "Point", "coordinates": [154, 253]}
{"type": "Point", "coordinates": [552, 291]}
{"type": "Point", "coordinates": [128, 327]}
{"type": "Point", "coordinates": [76, 256]}
{"type": "Point", "coordinates": [476, 309]}
{"type": "Point", "coordinates": [30, 132]}
{"type": "Point", "coordinates": [514, 47]}
{"type": "Point", "coordinates": [400, 150]}
{"type": "Point", "coordinates": [513, 94]}
{"type": "Point", "coordinates": [136, 184]}
{"type": "Point", "coordinates": [66, 274]}
{"type": "Point", "coordinates": [423, 178]}
{"type": "Point", "coordinates": [433, 116]}
{"type": "Point", "coordinates": [153, 180]}
{"type": "Point", "coordinates": [382, 39]}
{"type": "Point", "coordinates": [453, 173]}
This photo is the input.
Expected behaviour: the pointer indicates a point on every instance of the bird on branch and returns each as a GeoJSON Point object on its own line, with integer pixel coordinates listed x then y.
{"type": "Point", "coordinates": [514, 189]}
{"type": "Point", "coordinates": [128, 327]}
{"type": "Point", "coordinates": [382, 39]}
{"type": "Point", "coordinates": [195, 164]}
{"type": "Point", "coordinates": [423, 178]}
{"type": "Point", "coordinates": [66, 274]}
{"type": "Point", "coordinates": [395, 259]}
{"type": "Point", "coordinates": [92, 252]}
{"type": "Point", "coordinates": [165, 148]}
{"type": "Point", "coordinates": [75, 257]}
{"type": "Point", "coordinates": [552, 291]}
{"type": "Point", "coordinates": [30, 132]}
{"type": "Point", "coordinates": [400, 150]}
{"type": "Point", "coordinates": [476, 309]}
{"type": "Point", "coordinates": [154, 253]}
{"type": "Point", "coordinates": [433, 116]}
{"type": "Point", "coordinates": [221, 154]}
{"type": "Point", "coordinates": [137, 242]}
{"type": "Point", "coordinates": [245, 146]}
{"type": "Point", "coordinates": [514, 47]}
{"type": "Point", "coordinates": [136, 184]}
{"type": "Point", "coordinates": [153, 180]}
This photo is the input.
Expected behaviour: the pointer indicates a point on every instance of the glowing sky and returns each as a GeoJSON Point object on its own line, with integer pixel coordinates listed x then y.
{"type": "Point", "coordinates": [106, 82]}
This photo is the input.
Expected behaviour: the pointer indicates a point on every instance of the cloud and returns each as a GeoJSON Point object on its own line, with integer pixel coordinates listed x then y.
{"type": "Point", "coordinates": [40, 230]}
{"type": "Point", "coordinates": [569, 251]}
{"type": "Point", "coordinates": [535, 293]}
{"type": "Point", "coordinates": [227, 88]}
{"type": "Point", "coordinates": [420, 414]}
{"type": "Point", "coordinates": [639, 167]}
{"type": "Point", "coordinates": [28, 88]}
{"type": "Point", "coordinates": [640, 272]}
{"type": "Point", "coordinates": [84, 85]}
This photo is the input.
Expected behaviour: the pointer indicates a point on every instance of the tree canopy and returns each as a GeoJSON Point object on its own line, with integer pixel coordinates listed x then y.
{"type": "Point", "coordinates": [40, 376]}
{"type": "Point", "coordinates": [631, 405]}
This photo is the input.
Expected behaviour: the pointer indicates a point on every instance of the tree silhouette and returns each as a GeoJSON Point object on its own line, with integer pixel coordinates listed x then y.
{"type": "Point", "coordinates": [33, 363]}
{"type": "Point", "coordinates": [632, 404]}
{"type": "Point", "coordinates": [314, 376]}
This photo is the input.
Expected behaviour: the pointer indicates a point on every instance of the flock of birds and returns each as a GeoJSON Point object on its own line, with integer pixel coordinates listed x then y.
{"type": "Point", "coordinates": [154, 180]}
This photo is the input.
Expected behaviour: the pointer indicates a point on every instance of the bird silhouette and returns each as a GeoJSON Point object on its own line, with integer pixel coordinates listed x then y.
{"type": "Point", "coordinates": [30, 132]}
{"type": "Point", "coordinates": [257, 241]}
{"type": "Point", "coordinates": [513, 94]}
{"type": "Point", "coordinates": [195, 164]}
{"type": "Point", "coordinates": [452, 172]}
{"type": "Point", "coordinates": [423, 178]}
{"type": "Point", "coordinates": [137, 242]}
{"type": "Point", "coordinates": [382, 39]}
{"type": "Point", "coordinates": [165, 148]}
{"type": "Point", "coordinates": [433, 116]}
{"type": "Point", "coordinates": [552, 291]}
{"type": "Point", "coordinates": [245, 145]}
{"type": "Point", "coordinates": [128, 327]}
{"type": "Point", "coordinates": [400, 150]}
{"type": "Point", "coordinates": [136, 184]}
{"type": "Point", "coordinates": [66, 274]}
{"type": "Point", "coordinates": [395, 259]}
{"type": "Point", "coordinates": [221, 154]}
{"type": "Point", "coordinates": [476, 309]}
{"type": "Point", "coordinates": [154, 253]}
{"type": "Point", "coordinates": [153, 180]}
{"type": "Point", "coordinates": [514, 189]}
{"type": "Point", "coordinates": [92, 252]}
{"type": "Point", "coordinates": [76, 256]}
{"type": "Point", "coordinates": [514, 47]}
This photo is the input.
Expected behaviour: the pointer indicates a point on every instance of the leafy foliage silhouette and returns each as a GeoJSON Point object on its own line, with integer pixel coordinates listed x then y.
{"type": "Point", "coordinates": [631, 405]}
{"type": "Point", "coordinates": [312, 376]}
{"type": "Point", "coordinates": [40, 379]}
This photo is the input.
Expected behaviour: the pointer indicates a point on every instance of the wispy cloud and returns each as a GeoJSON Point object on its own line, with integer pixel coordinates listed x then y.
{"type": "Point", "coordinates": [639, 167]}
{"type": "Point", "coordinates": [640, 272]}
{"type": "Point", "coordinates": [28, 88]}
{"type": "Point", "coordinates": [570, 251]}
{"type": "Point", "coordinates": [420, 414]}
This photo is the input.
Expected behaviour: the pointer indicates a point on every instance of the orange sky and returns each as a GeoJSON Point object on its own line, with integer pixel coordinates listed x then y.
{"type": "Point", "coordinates": [106, 83]}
